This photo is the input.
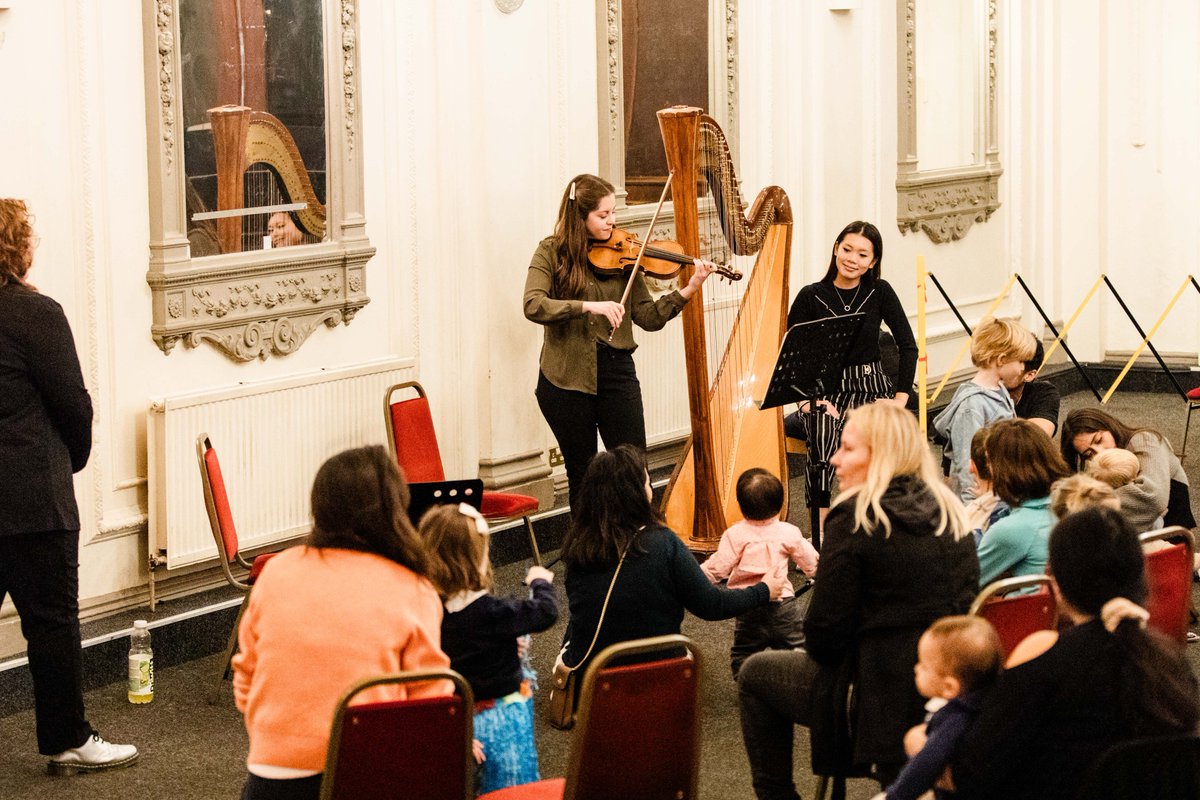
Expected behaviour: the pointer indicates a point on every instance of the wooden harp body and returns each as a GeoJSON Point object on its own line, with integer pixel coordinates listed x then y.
{"type": "Point", "coordinates": [729, 433]}
{"type": "Point", "coordinates": [242, 139]}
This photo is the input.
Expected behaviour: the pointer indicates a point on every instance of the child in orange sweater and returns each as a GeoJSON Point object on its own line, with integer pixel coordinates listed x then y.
{"type": "Point", "coordinates": [350, 603]}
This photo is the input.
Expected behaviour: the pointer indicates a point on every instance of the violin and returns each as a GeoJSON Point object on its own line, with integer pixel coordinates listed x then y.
{"type": "Point", "coordinates": [661, 259]}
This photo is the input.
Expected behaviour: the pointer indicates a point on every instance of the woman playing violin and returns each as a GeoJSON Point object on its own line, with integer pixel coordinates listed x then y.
{"type": "Point", "coordinates": [587, 381]}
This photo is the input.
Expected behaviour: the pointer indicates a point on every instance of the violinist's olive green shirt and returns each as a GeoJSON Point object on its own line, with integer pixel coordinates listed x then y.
{"type": "Point", "coordinates": [569, 348]}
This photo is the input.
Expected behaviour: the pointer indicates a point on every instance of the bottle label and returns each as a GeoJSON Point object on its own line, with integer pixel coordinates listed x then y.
{"type": "Point", "coordinates": [141, 674]}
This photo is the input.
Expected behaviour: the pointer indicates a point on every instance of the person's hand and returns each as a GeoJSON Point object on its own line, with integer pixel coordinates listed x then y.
{"type": "Point", "coordinates": [477, 751]}
{"type": "Point", "coordinates": [702, 270]}
{"type": "Point", "coordinates": [901, 399]}
{"type": "Point", "coordinates": [611, 311]}
{"type": "Point", "coordinates": [522, 646]}
{"type": "Point", "coordinates": [775, 580]}
{"type": "Point", "coordinates": [829, 408]}
{"type": "Point", "coordinates": [538, 574]}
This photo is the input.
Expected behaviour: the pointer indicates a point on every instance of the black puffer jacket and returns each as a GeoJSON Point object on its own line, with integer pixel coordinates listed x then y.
{"type": "Point", "coordinates": [873, 598]}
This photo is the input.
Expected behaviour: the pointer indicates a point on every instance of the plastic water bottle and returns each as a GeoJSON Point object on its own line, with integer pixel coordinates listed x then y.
{"type": "Point", "coordinates": [141, 664]}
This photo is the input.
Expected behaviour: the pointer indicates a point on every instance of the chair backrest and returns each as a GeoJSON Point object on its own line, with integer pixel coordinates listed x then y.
{"type": "Point", "coordinates": [1169, 579]}
{"type": "Point", "coordinates": [638, 732]}
{"type": "Point", "coordinates": [1015, 616]}
{"type": "Point", "coordinates": [411, 749]}
{"type": "Point", "coordinates": [216, 502]}
{"type": "Point", "coordinates": [1159, 768]}
{"type": "Point", "coordinates": [411, 435]}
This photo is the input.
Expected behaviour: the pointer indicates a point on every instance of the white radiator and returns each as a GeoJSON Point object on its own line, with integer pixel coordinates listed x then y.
{"type": "Point", "coordinates": [271, 438]}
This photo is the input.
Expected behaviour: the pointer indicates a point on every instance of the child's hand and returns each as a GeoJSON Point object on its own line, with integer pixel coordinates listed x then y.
{"type": "Point", "coordinates": [538, 574]}
{"type": "Point", "coordinates": [776, 579]}
{"type": "Point", "coordinates": [477, 751]}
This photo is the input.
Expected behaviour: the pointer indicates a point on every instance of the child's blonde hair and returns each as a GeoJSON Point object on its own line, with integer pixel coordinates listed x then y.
{"type": "Point", "coordinates": [997, 340]}
{"type": "Point", "coordinates": [969, 648]}
{"type": "Point", "coordinates": [1080, 491]}
{"type": "Point", "coordinates": [457, 549]}
{"type": "Point", "coordinates": [897, 448]}
{"type": "Point", "coordinates": [1115, 466]}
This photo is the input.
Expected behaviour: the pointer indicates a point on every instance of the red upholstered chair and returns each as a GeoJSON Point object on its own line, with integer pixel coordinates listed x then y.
{"type": "Point", "coordinates": [1015, 616]}
{"type": "Point", "coordinates": [638, 729]}
{"type": "Point", "coordinates": [1169, 579]}
{"type": "Point", "coordinates": [220, 520]}
{"type": "Point", "coordinates": [413, 749]}
{"type": "Point", "coordinates": [1193, 398]}
{"type": "Point", "coordinates": [413, 442]}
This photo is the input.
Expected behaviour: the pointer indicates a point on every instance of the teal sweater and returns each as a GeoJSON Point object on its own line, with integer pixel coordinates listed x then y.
{"type": "Point", "coordinates": [1017, 543]}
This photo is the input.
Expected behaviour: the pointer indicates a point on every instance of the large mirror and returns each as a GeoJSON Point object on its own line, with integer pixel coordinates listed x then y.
{"type": "Point", "coordinates": [949, 155]}
{"type": "Point", "coordinates": [257, 232]}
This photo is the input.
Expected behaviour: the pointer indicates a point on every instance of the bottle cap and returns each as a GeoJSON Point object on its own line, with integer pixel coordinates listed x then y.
{"type": "Point", "coordinates": [140, 624]}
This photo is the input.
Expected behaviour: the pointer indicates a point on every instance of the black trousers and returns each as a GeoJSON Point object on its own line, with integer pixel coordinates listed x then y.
{"type": "Point", "coordinates": [257, 788]}
{"type": "Point", "coordinates": [41, 573]}
{"type": "Point", "coordinates": [615, 411]}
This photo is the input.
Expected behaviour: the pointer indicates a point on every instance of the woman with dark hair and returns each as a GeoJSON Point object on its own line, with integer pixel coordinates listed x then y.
{"type": "Point", "coordinates": [1105, 680]}
{"type": "Point", "coordinates": [853, 284]}
{"type": "Point", "coordinates": [45, 437]}
{"type": "Point", "coordinates": [898, 555]}
{"type": "Point", "coordinates": [615, 527]}
{"type": "Point", "coordinates": [587, 382]}
{"type": "Point", "coordinates": [351, 603]}
{"type": "Point", "coordinates": [1024, 465]}
{"type": "Point", "coordinates": [1161, 488]}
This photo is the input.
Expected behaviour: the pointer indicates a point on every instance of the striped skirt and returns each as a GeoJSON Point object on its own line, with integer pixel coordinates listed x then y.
{"type": "Point", "coordinates": [861, 384]}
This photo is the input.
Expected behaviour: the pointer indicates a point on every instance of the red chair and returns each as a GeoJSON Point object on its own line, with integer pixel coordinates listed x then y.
{"type": "Point", "coordinates": [220, 520]}
{"type": "Point", "coordinates": [1169, 579]}
{"type": "Point", "coordinates": [638, 729]}
{"type": "Point", "coordinates": [413, 442]}
{"type": "Point", "coordinates": [1193, 401]}
{"type": "Point", "coordinates": [411, 749]}
{"type": "Point", "coordinates": [1015, 616]}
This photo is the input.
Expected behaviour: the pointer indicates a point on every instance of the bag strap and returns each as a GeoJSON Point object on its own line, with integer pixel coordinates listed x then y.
{"type": "Point", "coordinates": [603, 608]}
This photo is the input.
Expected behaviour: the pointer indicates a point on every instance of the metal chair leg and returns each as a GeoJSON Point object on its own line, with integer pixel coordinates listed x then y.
{"type": "Point", "coordinates": [1186, 426]}
{"type": "Point", "coordinates": [533, 544]}
{"type": "Point", "coordinates": [226, 669]}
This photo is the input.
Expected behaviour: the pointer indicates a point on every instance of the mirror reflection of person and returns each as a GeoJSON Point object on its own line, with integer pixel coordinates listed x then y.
{"type": "Point", "coordinates": [283, 230]}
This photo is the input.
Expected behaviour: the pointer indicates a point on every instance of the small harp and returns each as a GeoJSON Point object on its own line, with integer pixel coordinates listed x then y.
{"type": "Point", "coordinates": [259, 167]}
{"type": "Point", "coordinates": [729, 433]}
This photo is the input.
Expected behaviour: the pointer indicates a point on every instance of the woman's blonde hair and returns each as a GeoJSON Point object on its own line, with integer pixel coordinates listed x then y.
{"type": "Point", "coordinates": [1001, 339]}
{"type": "Point", "coordinates": [897, 448]}
{"type": "Point", "coordinates": [1080, 491]}
{"type": "Point", "coordinates": [458, 552]}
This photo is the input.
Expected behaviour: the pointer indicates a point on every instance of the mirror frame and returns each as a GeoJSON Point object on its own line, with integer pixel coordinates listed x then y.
{"type": "Point", "coordinates": [722, 91]}
{"type": "Point", "coordinates": [944, 203]}
{"type": "Point", "coordinates": [268, 302]}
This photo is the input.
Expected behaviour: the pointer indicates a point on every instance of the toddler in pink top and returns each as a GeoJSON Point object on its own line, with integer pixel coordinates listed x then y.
{"type": "Point", "coordinates": [760, 545]}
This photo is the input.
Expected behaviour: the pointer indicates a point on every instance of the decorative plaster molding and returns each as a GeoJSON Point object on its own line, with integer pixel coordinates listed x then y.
{"type": "Point", "coordinates": [349, 71]}
{"type": "Point", "coordinates": [945, 203]}
{"type": "Point", "coordinates": [945, 209]}
{"type": "Point", "coordinates": [165, 39]}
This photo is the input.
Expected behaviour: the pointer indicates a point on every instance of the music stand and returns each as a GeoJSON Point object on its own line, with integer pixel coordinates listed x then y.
{"type": "Point", "coordinates": [809, 367]}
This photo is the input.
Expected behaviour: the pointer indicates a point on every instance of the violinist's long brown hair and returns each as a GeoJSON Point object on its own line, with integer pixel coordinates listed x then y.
{"type": "Point", "coordinates": [571, 236]}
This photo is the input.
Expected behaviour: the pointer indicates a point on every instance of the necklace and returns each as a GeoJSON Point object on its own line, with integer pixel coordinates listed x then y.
{"type": "Point", "coordinates": [842, 299]}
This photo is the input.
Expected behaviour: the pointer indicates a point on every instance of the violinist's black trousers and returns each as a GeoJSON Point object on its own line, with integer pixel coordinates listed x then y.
{"type": "Point", "coordinates": [615, 411]}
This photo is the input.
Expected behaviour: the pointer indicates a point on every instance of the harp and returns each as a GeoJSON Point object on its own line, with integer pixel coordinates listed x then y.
{"type": "Point", "coordinates": [259, 168]}
{"type": "Point", "coordinates": [729, 433]}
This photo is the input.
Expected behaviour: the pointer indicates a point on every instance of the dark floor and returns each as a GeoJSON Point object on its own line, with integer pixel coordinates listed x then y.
{"type": "Point", "coordinates": [194, 750]}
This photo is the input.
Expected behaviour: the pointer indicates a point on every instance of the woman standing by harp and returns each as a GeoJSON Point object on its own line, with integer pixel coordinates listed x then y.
{"type": "Point", "coordinates": [853, 284]}
{"type": "Point", "coordinates": [587, 382]}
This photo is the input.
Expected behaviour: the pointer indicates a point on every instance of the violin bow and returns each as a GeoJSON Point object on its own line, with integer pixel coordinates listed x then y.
{"type": "Point", "coordinates": [637, 264]}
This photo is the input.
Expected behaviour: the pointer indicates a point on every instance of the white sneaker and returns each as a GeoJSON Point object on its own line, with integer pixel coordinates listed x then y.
{"type": "Point", "coordinates": [94, 754]}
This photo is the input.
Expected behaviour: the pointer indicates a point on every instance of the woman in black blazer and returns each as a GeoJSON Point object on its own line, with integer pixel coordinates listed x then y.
{"type": "Point", "coordinates": [45, 437]}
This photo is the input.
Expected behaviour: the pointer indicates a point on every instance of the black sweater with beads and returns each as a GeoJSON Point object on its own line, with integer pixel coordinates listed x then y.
{"type": "Point", "coordinates": [875, 299]}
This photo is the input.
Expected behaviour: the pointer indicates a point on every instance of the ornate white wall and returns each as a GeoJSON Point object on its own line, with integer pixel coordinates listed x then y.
{"type": "Point", "coordinates": [473, 120]}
